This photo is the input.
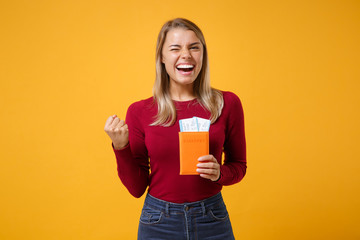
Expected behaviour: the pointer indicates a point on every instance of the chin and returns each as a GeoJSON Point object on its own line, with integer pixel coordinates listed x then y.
{"type": "Point", "coordinates": [185, 81]}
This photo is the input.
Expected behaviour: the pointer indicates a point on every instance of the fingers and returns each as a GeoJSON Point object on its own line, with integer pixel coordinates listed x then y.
{"type": "Point", "coordinates": [208, 171]}
{"type": "Point", "coordinates": [114, 124]}
{"type": "Point", "coordinates": [118, 131]}
{"type": "Point", "coordinates": [121, 129]}
{"type": "Point", "coordinates": [208, 167]}
{"type": "Point", "coordinates": [120, 126]}
{"type": "Point", "coordinates": [207, 158]}
{"type": "Point", "coordinates": [117, 124]}
{"type": "Point", "coordinates": [208, 161]}
{"type": "Point", "coordinates": [109, 121]}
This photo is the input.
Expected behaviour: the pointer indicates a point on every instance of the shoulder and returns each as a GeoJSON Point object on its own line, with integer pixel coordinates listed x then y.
{"type": "Point", "coordinates": [140, 112]}
{"type": "Point", "coordinates": [232, 109]}
{"type": "Point", "coordinates": [230, 98]}
{"type": "Point", "coordinates": [232, 105]}
{"type": "Point", "coordinates": [139, 106]}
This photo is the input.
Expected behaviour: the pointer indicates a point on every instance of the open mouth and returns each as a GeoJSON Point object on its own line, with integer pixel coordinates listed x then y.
{"type": "Point", "coordinates": [185, 68]}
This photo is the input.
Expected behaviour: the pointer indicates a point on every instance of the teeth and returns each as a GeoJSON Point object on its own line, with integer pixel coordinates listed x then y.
{"type": "Point", "coordinates": [185, 66]}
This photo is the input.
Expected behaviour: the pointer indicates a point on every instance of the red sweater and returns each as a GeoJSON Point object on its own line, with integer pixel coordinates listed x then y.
{"type": "Point", "coordinates": [152, 157]}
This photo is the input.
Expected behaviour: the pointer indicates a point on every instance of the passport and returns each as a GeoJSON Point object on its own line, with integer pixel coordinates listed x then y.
{"type": "Point", "coordinates": [192, 145]}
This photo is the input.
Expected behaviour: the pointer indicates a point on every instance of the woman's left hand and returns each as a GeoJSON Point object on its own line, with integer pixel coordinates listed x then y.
{"type": "Point", "coordinates": [208, 167]}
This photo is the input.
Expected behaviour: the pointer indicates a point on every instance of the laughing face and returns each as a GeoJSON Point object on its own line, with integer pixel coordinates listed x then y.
{"type": "Point", "coordinates": [182, 56]}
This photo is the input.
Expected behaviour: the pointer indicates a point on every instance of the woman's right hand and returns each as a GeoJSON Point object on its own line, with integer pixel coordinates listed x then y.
{"type": "Point", "coordinates": [118, 132]}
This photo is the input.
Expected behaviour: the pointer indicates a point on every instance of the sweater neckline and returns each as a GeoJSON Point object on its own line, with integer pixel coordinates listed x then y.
{"type": "Point", "coordinates": [185, 102]}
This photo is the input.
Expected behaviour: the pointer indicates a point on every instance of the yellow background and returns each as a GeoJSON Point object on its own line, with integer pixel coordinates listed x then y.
{"type": "Point", "coordinates": [65, 66]}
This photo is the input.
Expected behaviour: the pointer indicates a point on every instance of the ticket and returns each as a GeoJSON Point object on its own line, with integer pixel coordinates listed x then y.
{"type": "Point", "coordinates": [203, 124]}
{"type": "Point", "coordinates": [194, 124]}
{"type": "Point", "coordinates": [188, 125]}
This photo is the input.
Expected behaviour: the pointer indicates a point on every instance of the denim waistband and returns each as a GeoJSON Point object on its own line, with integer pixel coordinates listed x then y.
{"type": "Point", "coordinates": [168, 207]}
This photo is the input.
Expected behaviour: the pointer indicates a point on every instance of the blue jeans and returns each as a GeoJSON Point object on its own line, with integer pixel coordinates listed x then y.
{"type": "Point", "coordinates": [206, 219]}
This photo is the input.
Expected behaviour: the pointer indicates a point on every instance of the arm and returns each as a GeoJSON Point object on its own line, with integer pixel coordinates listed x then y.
{"type": "Point", "coordinates": [132, 159]}
{"type": "Point", "coordinates": [234, 167]}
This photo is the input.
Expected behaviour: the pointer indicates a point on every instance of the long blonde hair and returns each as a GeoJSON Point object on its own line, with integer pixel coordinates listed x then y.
{"type": "Point", "coordinates": [208, 97]}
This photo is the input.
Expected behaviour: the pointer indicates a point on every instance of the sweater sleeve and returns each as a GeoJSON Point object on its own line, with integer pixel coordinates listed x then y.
{"type": "Point", "coordinates": [133, 160]}
{"type": "Point", "coordinates": [234, 167]}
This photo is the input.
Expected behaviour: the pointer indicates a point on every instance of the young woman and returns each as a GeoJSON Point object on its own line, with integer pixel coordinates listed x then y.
{"type": "Point", "coordinates": [147, 145]}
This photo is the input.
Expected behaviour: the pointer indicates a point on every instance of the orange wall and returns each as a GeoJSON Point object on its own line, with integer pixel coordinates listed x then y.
{"type": "Point", "coordinates": [65, 66]}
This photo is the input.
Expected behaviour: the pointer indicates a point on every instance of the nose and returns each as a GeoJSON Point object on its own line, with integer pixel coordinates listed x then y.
{"type": "Point", "coordinates": [185, 53]}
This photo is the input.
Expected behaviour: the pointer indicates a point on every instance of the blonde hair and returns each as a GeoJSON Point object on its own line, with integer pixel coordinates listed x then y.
{"type": "Point", "coordinates": [208, 97]}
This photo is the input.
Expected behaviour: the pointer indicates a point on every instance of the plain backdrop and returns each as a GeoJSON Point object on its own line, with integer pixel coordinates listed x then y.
{"type": "Point", "coordinates": [66, 66]}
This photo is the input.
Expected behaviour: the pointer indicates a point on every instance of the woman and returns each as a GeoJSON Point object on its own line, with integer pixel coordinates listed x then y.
{"type": "Point", "coordinates": [147, 145]}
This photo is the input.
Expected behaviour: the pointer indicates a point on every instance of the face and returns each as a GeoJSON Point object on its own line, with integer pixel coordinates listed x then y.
{"type": "Point", "coordinates": [182, 55]}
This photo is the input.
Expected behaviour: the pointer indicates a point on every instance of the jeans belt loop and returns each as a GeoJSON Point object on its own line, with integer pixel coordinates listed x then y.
{"type": "Point", "coordinates": [167, 209]}
{"type": "Point", "coordinates": [203, 208]}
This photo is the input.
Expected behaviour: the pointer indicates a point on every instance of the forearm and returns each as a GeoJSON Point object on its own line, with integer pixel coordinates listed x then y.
{"type": "Point", "coordinates": [232, 172]}
{"type": "Point", "coordinates": [133, 174]}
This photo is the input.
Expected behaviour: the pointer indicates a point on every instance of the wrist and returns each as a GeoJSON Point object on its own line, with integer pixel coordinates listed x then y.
{"type": "Point", "coordinates": [218, 178]}
{"type": "Point", "coordinates": [119, 146]}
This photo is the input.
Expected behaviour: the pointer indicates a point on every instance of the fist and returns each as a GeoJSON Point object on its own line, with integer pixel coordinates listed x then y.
{"type": "Point", "coordinates": [118, 132]}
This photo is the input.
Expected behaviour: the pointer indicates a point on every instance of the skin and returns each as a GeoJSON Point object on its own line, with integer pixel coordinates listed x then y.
{"type": "Point", "coordinates": [118, 132]}
{"type": "Point", "coordinates": [181, 46]}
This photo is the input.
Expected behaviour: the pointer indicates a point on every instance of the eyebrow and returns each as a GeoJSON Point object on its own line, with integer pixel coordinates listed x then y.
{"type": "Point", "coordinates": [177, 45]}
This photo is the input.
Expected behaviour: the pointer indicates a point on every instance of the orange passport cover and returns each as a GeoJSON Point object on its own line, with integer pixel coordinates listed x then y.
{"type": "Point", "coordinates": [192, 146]}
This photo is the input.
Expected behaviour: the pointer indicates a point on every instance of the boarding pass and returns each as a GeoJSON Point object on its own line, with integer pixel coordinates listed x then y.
{"type": "Point", "coordinates": [194, 124]}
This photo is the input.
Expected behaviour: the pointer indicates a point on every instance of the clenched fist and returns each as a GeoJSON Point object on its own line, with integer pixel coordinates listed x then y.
{"type": "Point", "coordinates": [118, 132]}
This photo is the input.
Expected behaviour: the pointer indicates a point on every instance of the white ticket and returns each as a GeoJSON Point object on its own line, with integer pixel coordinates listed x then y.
{"type": "Point", "coordinates": [194, 124]}
{"type": "Point", "coordinates": [203, 124]}
{"type": "Point", "coordinates": [188, 125]}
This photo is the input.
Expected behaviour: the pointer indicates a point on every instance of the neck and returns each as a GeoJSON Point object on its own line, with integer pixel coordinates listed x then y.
{"type": "Point", "coordinates": [182, 92]}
